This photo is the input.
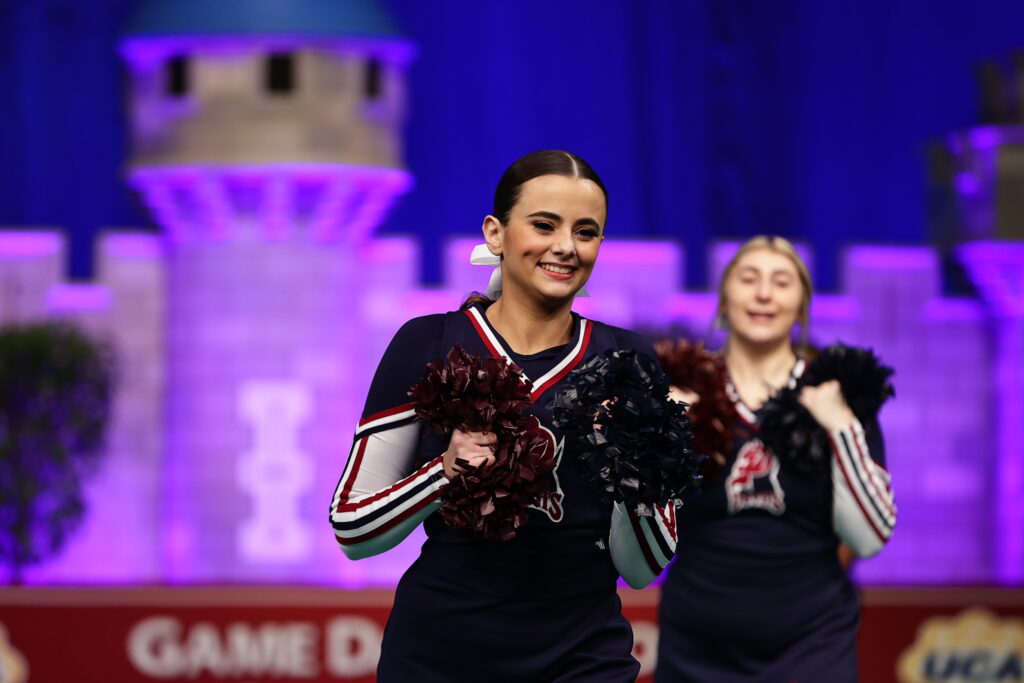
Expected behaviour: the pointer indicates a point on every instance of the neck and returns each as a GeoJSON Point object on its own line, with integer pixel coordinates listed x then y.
{"type": "Point", "coordinates": [758, 369]}
{"type": "Point", "coordinates": [530, 328]}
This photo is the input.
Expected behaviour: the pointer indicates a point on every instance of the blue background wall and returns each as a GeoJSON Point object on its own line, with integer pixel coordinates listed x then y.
{"type": "Point", "coordinates": [707, 119]}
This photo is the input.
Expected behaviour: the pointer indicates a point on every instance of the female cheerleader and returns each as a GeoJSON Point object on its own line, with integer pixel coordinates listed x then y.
{"type": "Point", "coordinates": [543, 605]}
{"type": "Point", "coordinates": [760, 593]}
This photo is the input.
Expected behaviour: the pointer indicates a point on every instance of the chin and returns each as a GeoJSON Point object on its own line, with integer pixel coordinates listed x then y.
{"type": "Point", "coordinates": [764, 337]}
{"type": "Point", "coordinates": [559, 291]}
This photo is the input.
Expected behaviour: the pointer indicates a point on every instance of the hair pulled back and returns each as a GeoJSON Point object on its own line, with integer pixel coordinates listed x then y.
{"type": "Point", "coordinates": [534, 165]}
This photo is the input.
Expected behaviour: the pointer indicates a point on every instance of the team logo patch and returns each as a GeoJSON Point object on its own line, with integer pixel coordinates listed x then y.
{"type": "Point", "coordinates": [753, 482]}
{"type": "Point", "coordinates": [550, 502]}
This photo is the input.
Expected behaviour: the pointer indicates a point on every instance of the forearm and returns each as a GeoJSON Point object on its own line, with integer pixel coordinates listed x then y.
{"type": "Point", "coordinates": [377, 501]}
{"type": "Point", "coordinates": [864, 513]}
{"type": "Point", "coordinates": [642, 547]}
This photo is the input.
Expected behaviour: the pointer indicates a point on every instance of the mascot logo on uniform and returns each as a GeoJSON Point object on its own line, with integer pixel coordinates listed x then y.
{"type": "Point", "coordinates": [550, 502]}
{"type": "Point", "coordinates": [974, 646]}
{"type": "Point", "coordinates": [753, 482]}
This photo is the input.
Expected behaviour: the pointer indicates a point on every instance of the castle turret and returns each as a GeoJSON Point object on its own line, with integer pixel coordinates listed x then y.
{"type": "Point", "coordinates": [267, 143]}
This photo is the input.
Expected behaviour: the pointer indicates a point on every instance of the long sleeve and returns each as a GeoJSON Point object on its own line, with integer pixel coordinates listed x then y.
{"type": "Point", "coordinates": [382, 496]}
{"type": "Point", "coordinates": [642, 547]}
{"type": "Point", "coordinates": [863, 510]}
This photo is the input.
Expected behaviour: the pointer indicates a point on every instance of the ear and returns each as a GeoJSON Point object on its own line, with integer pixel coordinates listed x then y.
{"type": "Point", "coordinates": [494, 235]}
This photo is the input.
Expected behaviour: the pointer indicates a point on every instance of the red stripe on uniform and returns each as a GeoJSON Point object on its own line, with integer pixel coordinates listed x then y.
{"type": "Point", "coordinates": [853, 490]}
{"type": "Point", "coordinates": [641, 539]}
{"type": "Point", "coordinates": [867, 463]}
{"type": "Point", "coordinates": [483, 335]}
{"type": "Point", "coordinates": [385, 413]}
{"type": "Point", "coordinates": [352, 473]}
{"type": "Point", "coordinates": [391, 523]}
{"type": "Point", "coordinates": [668, 516]}
{"type": "Point", "coordinates": [588, 326]}
{"type": "Point", "coordinates": [349, 507]}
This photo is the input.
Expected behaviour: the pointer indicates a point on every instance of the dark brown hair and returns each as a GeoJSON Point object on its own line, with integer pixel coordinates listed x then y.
{"type": "Point", "coordinates": [534, 165]}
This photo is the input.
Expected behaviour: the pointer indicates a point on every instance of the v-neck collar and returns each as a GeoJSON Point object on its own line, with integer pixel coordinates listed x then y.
{"type": "Point", "coordinates": [745, 412]}
{"type": "Point", "coordinates": [571, 354]}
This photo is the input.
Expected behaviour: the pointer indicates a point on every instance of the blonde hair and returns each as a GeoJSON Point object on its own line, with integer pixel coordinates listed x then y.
{"type": "Point", "coordinates": [779, 245]}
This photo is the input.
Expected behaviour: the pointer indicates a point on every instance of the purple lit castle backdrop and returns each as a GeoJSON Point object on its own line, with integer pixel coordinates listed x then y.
{"type": "Point", "coordinates": [249, 326]}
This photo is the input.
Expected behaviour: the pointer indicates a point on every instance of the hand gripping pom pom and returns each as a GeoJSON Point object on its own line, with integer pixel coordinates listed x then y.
{"type": "Point", "coordinates": [789, 430]}
{"type": "Point", "coordinates": [478, 395]}
{"type": "Point", "coordinates": [693, 367]}
{"type": "Point", "coordinates": [634, 443]}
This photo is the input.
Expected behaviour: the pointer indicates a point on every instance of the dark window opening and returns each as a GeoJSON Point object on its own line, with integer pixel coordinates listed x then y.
{"type": "Point", "coordinates": [280, 73]}
{"type": "Point", "coordinates": [177, 76]}
{"type": "Point", "coordinates": [372, 84]}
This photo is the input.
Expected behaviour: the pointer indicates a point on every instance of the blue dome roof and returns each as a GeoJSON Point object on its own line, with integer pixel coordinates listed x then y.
{"type": "Point", "coordinates": [312, 18]}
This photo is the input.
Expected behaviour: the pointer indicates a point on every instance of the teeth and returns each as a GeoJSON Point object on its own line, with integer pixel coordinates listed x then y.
{"type": "Point", "coordinates": [564, 270]}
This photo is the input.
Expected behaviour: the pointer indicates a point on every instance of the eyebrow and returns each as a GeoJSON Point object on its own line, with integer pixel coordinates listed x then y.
{"type": "Point", "coordinates": [777, 271]}
{"type": "Point", "coordinates": [555, 217]}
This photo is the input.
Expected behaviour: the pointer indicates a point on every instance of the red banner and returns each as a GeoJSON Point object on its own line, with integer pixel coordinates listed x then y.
{"type": "Point", "coordinates": [279, 634]}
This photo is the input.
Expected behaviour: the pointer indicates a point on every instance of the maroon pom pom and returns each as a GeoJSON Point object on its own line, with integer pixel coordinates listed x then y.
{"type": "Point", "coordinates": [693, 367]}
{"type": "Point", "coordinates": [479, 395]}
{"type": "Point", "coordinates": [492, 502]}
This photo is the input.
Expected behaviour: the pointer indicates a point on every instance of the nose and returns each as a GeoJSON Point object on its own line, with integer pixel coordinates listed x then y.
{"type": "Point", "coordinates": [764, 290]}
{"type": "Point", "coordinates": [563, 244]}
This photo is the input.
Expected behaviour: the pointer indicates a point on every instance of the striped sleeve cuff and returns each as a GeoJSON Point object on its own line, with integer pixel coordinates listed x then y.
{"type": "Point", "coordinates": [864, 512]}
{"type": "Point", "coordinates": [372, 524]}
{"type": "Point", "coordinates": [642, 546]}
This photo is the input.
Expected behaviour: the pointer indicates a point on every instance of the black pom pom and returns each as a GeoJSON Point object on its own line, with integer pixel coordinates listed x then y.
{"type": "Point", "coordinates": [635, 443]}
{"type": "Point", "coordinates": [862, 377]}
{"type": "Point", "coordinates": [789, 430]}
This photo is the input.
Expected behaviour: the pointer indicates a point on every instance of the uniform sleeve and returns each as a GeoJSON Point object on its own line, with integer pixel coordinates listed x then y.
{"type": "Point", "coordinates": [863, 511]}
{"type": "Point", "coordinates": [641, 547]}
{"type": "Point", "coordinates": [382, 496]}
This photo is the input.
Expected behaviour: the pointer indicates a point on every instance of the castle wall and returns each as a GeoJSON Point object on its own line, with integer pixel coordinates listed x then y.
{"type": "Point", "coordinates": [244, 365]}
{"type": "Point", "coordinates": [119, 539]}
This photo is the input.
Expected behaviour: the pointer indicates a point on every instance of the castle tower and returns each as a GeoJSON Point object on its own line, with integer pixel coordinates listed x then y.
{"type": "Point", "coordinates": [266, 142]}
{"type": "Point", "coordinates": [983, 169]}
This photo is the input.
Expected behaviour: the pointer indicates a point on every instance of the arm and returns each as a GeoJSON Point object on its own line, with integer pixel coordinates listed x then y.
{"type": "Point", "coordinates": [381, 497]}
{"type": "Point", "coordinates": [642, 547]}
{"type": "Point", "coordinates": [863, 511]}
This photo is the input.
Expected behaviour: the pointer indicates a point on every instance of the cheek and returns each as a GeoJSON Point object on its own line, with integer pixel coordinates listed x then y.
{"type": "Point", "coordinates": [793, 303]}
{"type": "Point", "coordinates": [589, 252]}
{"type": "Point", "coordinates": [734, 297]}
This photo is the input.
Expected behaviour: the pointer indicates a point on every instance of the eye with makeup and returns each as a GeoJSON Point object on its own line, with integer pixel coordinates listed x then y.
{"type": "Point", "coordinates": [587, 234]}
{"type": "Point", "coordinates": [543, 226]}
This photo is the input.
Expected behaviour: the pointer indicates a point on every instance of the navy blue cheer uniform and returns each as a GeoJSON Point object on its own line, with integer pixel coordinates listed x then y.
{"type": "Point", "coordinates": [540, 607]}
{"type": "Point", "coordinates": [758, 594]}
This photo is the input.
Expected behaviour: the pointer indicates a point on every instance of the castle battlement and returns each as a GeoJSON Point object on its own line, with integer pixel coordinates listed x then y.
{"type": "Point", "coordinates": [251, 326]}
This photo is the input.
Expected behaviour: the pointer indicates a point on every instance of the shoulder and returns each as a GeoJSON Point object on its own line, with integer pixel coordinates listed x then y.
{"type": "Point", "coordinates": [416, 343]}
{"type": "Point", "coordinates": [421, 329]}
{"type": "Point", "coordinates": [620, 338]}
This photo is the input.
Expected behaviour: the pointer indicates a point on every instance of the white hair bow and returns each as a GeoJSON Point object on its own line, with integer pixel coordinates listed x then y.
{"type": "Point", "coordinates": [482, 256]}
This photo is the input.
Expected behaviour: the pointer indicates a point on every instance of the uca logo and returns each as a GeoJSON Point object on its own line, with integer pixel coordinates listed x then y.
{"type": "Point", "coordinates": [976, 646]}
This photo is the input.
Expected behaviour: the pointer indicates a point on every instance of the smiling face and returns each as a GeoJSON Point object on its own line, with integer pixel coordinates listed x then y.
{"type": "Point", "coordinates": [550, 243]}
{"type": "Point", "coordinates": [763, 297]}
